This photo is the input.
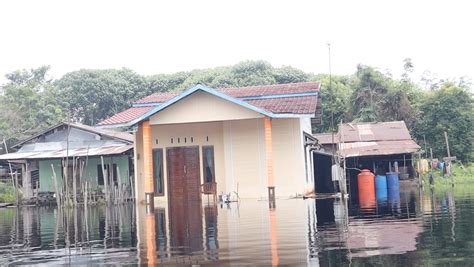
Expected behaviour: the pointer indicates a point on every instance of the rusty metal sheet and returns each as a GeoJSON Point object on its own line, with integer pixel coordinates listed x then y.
{"type": "Point", "coordinates": [359, 149]}
{"type": "Point", "coordinates": [380, 131]}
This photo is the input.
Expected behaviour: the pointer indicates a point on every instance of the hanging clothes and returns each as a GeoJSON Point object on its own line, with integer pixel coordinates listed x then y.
{"type": "Point", "coordinates": [425, 167]}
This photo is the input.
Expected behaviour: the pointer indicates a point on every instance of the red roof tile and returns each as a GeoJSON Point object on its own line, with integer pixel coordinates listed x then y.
{"type": "Point", "coordinates": [126, 115]}
{"type": "Point", "coordinates": [274, 89]}
{"type": "Point", "coordinates": [249, 91]}
{"type": "Point", "coordinates": [279, 104]}
{"type": "Point", "coordinates": [157, 98]}
{"type": "Point", "coordinates": [287, 105]}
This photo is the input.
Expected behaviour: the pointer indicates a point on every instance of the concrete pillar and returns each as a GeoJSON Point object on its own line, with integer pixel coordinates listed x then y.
{"type": "Point", "coordinates": [150, 239]}
{"type": "Point", "coordinates": [147, 163]}
{"type": "Point", "coordinates": [269, 159]}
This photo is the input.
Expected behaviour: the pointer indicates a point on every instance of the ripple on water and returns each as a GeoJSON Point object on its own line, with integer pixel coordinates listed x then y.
{"type": "Point", "coordinates": [418, 228]}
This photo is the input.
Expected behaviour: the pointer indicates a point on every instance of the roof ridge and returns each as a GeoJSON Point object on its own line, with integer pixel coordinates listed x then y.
{"type": "Point", "coordinates": [269, 85]}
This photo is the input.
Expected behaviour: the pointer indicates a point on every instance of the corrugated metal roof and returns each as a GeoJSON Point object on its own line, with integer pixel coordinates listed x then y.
{"type": "Point", "coordinates": [372, 139]}
{"type": "Point", "coordinates": [378, 148]}
{"type": "Point", "coordinates": [377, 131]}
{"type": "Point", "coordinates": [63, 153]}
{"type": "Point", "coordinates": [123, 136]}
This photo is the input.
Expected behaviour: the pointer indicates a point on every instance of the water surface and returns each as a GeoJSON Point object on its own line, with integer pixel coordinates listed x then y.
{"type": "Point", "coordinates": [414, 228]}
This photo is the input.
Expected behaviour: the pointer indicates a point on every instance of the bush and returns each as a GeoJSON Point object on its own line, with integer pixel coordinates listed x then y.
{"type": "Point", "coordinates": [7, 195]}
{"type": "Point", "coordinates": [461, 174]}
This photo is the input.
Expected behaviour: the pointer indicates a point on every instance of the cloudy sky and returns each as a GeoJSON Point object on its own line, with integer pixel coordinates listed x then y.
{"type": "Point", "coordinates": [153, 37]}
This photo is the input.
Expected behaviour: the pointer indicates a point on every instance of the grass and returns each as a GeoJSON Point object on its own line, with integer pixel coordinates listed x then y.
{"type": "Point", "coordinates": [7, 195]}
{"type": "Point", "coordinates": [460, 174]}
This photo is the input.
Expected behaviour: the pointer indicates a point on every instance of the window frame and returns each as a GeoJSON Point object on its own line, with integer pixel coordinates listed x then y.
{"type": "Point", "coordinates": [204, 162]}
{"type": "Point", "coordinates": [162, 180]}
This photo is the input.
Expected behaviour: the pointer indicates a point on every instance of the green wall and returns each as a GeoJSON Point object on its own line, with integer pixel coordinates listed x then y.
{"type": "Point", "coordinates": [46, 174]}
{"type": "Point", "coordinates": [90, 171]}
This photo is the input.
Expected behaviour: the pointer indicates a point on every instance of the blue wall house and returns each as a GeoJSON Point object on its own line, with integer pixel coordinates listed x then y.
{"type": "Point", "coordinates": [52, 160]}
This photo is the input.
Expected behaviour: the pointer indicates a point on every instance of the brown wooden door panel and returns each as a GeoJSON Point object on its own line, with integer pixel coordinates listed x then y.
{"type": "Point", "coordinates": [184, 198]}
{"type": "Point", "coordinates": [183, 174]}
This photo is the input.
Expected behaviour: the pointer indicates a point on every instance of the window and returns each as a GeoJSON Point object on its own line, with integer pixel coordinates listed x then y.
{"type": "Point", "coordinates": [35, 179]}
{"type": "Point", "coordinates": [100, 174]}
{"type": "Point", "coordinates": [158, 171]}
{"type": "Point", "coordinates": [208, 164]}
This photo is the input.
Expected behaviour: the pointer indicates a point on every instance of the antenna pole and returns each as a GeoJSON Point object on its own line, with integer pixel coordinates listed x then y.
{"type": "Point", "coordinates": [331, 105]}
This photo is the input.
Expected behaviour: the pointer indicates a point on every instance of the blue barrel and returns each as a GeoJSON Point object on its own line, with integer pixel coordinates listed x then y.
{"type": "Point", "coordinates": [393, 186]}
{"type": "Point", "coordinates": [393, 182]}
{"type": "Point", "coordinates": [381, 188]}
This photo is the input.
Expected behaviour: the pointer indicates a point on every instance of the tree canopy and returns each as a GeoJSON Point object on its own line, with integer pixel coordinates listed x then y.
{"type": "Point", "coordinates": [28, 104]}
{"type": "Point", "coordinates": [31, 102]}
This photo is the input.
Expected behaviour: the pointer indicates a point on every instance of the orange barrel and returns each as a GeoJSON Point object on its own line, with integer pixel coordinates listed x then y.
{"type": "Point", "coordinates": [366, 186]}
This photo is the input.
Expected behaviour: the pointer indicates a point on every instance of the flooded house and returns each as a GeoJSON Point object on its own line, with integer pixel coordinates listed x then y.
{"type": "Point", "coordinates": [50, 161]}
{"type": "Point", "coordinates": [202, 142]}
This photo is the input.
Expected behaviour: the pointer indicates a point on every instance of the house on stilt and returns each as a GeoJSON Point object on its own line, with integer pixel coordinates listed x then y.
{"type": "Point", "coordinates": [51, 161]}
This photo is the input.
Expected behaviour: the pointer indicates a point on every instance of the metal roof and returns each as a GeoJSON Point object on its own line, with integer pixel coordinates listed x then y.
{"type": "Point", "coordinates": [371, 139]}
{"type": "Point", "coordinates": [378, 148]}
{"type": "Point", "coordinates": [122, 136]}
{"type": "Point", "coordinates": [63, 153]}
{"type": "Point", "coordinates": [376, 131]}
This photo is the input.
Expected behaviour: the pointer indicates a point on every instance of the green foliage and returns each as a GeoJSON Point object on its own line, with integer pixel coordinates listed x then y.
{"type": "Point", "coordinates": [450, 109]}
{"type": "Point", "coordinates": [246, 73]}
{"type": "Point", "coordinates": [7, 194]}
{"type": "Point", "coordinates": [28, 104]}
{"type": "Point", "coordinates": [336, 103]}
{"type": "Point", "coordinates": [93, 95]}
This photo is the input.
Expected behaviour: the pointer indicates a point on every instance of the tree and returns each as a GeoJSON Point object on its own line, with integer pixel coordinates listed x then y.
{"type": "Point", "coordinates": [90, 96]}
{"type": "Point", "coordinates": [28, 104]}
{"type": "Point", "coordinates": [450, 109]}
{"type": "Point", "coordinates": [336, 104]}
{"type": "Point", "coordinates": [369, 88]}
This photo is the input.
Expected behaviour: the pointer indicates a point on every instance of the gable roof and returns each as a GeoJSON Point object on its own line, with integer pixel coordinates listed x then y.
{"type": "Point", "coordinates": [121, 136]}
{"type": "Point", "coordinates": [275, 101]}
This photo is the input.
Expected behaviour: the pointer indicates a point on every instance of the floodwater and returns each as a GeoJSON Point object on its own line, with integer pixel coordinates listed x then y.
{"type": "Point", "coordinates": [416, 228]}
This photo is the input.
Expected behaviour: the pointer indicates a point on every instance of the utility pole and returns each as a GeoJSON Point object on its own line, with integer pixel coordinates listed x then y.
{"type": "Point", "coordinates": [447, 143]}
{"type": "Point", "coordinates": [331, 105]}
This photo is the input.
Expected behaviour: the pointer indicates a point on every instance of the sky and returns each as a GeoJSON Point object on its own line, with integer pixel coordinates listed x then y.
{"type": "Point", "coordinates": [152, 37]}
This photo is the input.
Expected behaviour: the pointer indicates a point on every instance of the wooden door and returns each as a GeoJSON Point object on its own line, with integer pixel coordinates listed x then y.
{"type": "Point", "coordinates": [183, 174]}
{"type": "Point", "coordinates": [184, 199]}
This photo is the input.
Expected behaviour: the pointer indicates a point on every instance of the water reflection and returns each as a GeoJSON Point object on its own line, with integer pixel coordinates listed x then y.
{"type": "Point", "coordinates": [32, 235]}
{"type": "Point", "coordinates": [410, 228]}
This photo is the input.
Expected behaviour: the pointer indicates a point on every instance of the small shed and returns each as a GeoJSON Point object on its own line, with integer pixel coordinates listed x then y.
{"type": "Point", "coordinates": [70, 152]}
{"type": "Point", "coordinates": [380, 147]}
